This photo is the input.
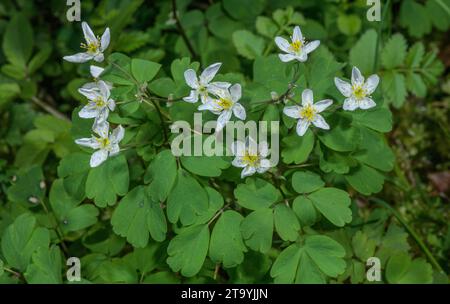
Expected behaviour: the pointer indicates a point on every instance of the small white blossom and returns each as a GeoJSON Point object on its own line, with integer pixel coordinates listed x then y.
{"type": "Point", "coordinates": [202, 86]}
{"type": "Point", "coordinates": [99, 103]}
{"type": "Point", "coordinates": [359, 91]}
{"type": "Point", "coordinates": [95, 46]}
{"type": "Point", "coordinates": [225, 105]}
{"type": "Point", "coordinates": [96, 72]}
{"type": "Point", "coordinates": [106, 143]}
{"type": "Point", "coordinates": [250, 156]}
{"type": "Point", "coordinates": [298, 49]}
{"type": "Point", "coordinates": [308, 113]}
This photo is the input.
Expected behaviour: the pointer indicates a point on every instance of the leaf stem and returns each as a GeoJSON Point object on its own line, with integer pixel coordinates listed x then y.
{"type": "Point", "coordinates": [377, 47]}
{"type": "Point", "coordinates": [182, 31]}
{"type": "Point", "coordinates": [57, 228]}
{"type": "Point", "coordinates": [48, 108]}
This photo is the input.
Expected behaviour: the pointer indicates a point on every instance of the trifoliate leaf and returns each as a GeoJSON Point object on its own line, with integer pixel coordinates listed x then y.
{"type": "Point", "coordinates": [286, 223]}
{"type": "Point", "coordinates": [306, 181]}
{"type": "Point", "coordinates": [45, 267]}
{"type": "Point", "coordinates": [334, 204]}
{"type": "Point", "coordinates": [136, 215]}
{"type": "Point", "coordinates": [362, 54]}
{"type": "Point", "coordinates": [256, 194]}
{"type": "Point", "coordinates": [319, 256]}
{"type": "Point", "coordinates": [296, 149]}
{"type": "Point", "coordinates": [71, 216]}
{"type": "Point", "coordinates": [187, 251]}
{"type": "Point", "coordinates": [402, 270]}
{"type": "Point", "coordinates": [187, 200]}
{"type": "Point", "coordinates": [226, 245]}
{"type": "Point", "coordinates": [394, 52]}
{"type": "Point", "coordinates": [257, 230]}
{"type": "Point", "coordinates": [162, 173]}
{"type": "Point", "coordinates": [108, 180]}
{"type": "Point", "coordinates": [144, 70]}
{"type": "Point", "coordinates": [21, 239]}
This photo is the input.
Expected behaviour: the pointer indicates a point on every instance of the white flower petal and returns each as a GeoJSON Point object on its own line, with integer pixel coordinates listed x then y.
{"type": "Point", "coordinates": [239, 111]}
{"type": "Point", "coordinates": [322, 105]}
{"type": "Point", "coordinates": [297, 35]}
{"type": "Point", "coordinates": [237, 162]}
{"type": "Point", "coordinates": [102, 129]}
{"type": "Point", "coordinates": [282, 43]}
{"type": "Point", "coordinates": [357, 78]}
{"type": "Point", "coordinates": [371, 83]}
{"type": "Point", "coordinates": [90, 86]}
{"type": "Point", "coordinates": [117, 135]}
{"type": "Point", "coordinates": [248, 171]}
{"type": "Point", "coordinates": [96, 71]}
{"type": "Point", "coordinates": [208, 74]}
{"type": "Point", "coordinates": [104, 90]}
{"type": "Point", "coordinates": [238, 148]}
{"type": "Point", "coordinates": [115, 149]}
{"type": "Point", "coordinates": [350, 104]}
{"type": "Point", "coordinates": [89, 35]}
{"type": "Point", "coordinates": [191, 78]}
{"type": "Point", "coordinates": [88, 142]}
{"type": "Point", "coordinates": [111, 104]}
{"type": "Point", "coordinates": [222, 120]}
{"type": "Point", "coordinates": [192, 98]}
{"type": "Point", "coordinates": [367, 103]}
{"type": "Point", "coordinates": [263, 149]}
{"type": "Point", "coordinates": [302, 126]}
{"type": "Point", "coordinates": [235, 92]}
{"type": "Point", "coordinates": [101, 118]}
{"type": "Point", "coordinates": [307, 97]}
{"type": "Point", "coordinates": [251, 146]}
{"type": "Point", "coordinates": [219, 84]}
{"type": "Point", "coordinates": [261, 169]}
{"type": "Point", "coordinates": [98, 157]}
{"type": "Point", "coordinates": [106, 37]}
{"type": "Point", "coordinates": [320, 122]}
{"type": "Point", "coordinates": [302, 57]}
{"type": "Point", "coordinates": [99, 57]}
{"type": "Point", "coordinates": [210, 106]}
{"type": "Point", "coordinates": [286, 57]}
{"type": "Point", "coordinates": [311, 46]}
{"type": "Point", "coordinates": [344, 87]}
{"type": "Point", "coordinates": [265, 163]}
{"type": "Point", "coordinates": [292, 111]}
{"type": "Point", "coordinates": [79, 58]}
{"type": "Point", "coordinates": [89, 111]}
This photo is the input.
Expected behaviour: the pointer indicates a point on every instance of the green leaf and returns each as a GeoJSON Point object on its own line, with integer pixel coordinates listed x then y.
{"type": "Point", "coordinates": [257, 230]}
{"type": "Point", "coordinates": [70, 215]}
{"type": "Point", "coordinates": [108, 180]}
{"type": "Point", "coordinates": [306, 181]}
{"type": "Point", "coordinates": [187, 200]}
{"type": "Point", "coordinates": [394, 88]}
{"type": "Point", "coordinates": [334, 204]}
{"type": "Point", "coordinates": [256, 194]}
{"type": "Point", "coordinates": [394, 52]}
{"type": "Point", "coordinates": [21, 239]}
{"type": "Point", "coordinates": [162, 173]}
{"type": "Point", "coordinates": [349, 24]}
{"type": "Point", "coordinates": [266, 27]}
{"type": "Point", "coordinates": [18, 40]}
{"type": "Point", "coordinates": [226, 245]}
{"type": "Point", "coordinates": [210, 166]}
{"type": "Point", "coordinates": [286, 223]}
{"type": "Point", "coordinates": [27, 188]}
{"type": "Point", "coordinates": [45, 267]}
{"type": "Point", "coordinates": [296, 149]}
{"type": "Point", "coordinates": [402, 270]}
{"type": "Point", "coordinates": [244, 9]}
{"type": "Point", "coordinates": [378, 119]}
{"type": "Point", "coordinates": [365, 180]}
{"type": "Point", "coordinates": [74, 168]}
{"type": "Point", "coordinates": [363, 246]}
{"type": "Point", "coordinates": [362, 54]}
{"type": "Point", "coordinates": [305, 210]}
{"type": "Point", "coordinates": [144, 70]}
{"type": "Point", "coordinates": [342, 137]}
{"type": "Point", "coordinates": [414, 17]}
{"type": "Point", "coordinates": [440, 15]}
{"type": "Point", "coordinates": [39, 59]}
{"type": "Point", "coordinates": [415, 55]}
{"type": "Point", "coordinates": [137, 214]}
{"type": "Point", "coordinates": [319, 256]}
{"type": "Point", "coordinates": [187, 251]}
{"type": "Point", "coordinates": [248, 44]}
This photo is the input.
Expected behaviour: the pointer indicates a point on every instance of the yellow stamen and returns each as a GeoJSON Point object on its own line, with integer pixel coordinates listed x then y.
{"type": "Point", "coordinates": [359, 92]}
{"type": "Point", "coordinates": [225, 103]}
{"type": "Point", "coordinates": [308, 112]}
{"type": "Point", "coordinates": [91, 47]}
{"type": "Point", "coordinates": [99, 102]}
{"type": "Point", "coordinates": [296, 45]}
{"type": "Point", "coordinates": [104, 142]}
{"type": "Point", "coordinates": [249, 159]}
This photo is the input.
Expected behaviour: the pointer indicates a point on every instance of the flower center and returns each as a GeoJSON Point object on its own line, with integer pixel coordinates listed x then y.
{"type": "Point", "coordinates": [296, 45]}
{"type": "Point", "coordinates": [308, 112]}
{"type": "Point", "coordinates": [225, 103]}
{"type": "Point", "coordinates": [359, 92]}
{"type": "Point", "coordinates": [99, 102]}
{"type": "Point", "coordinates": [250, 160]}
{"type": "Point", "coordinates": [104, 142]}
{"type": "Point", "coordinates": [92, 47]}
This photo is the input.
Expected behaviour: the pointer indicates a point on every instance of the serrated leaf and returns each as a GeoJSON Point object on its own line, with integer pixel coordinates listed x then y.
{"type": "Point", "coordinates": [394, 88]}
{"type": "Point", "coordinates": [414, 17]}
{"type": "Point", "coordinates": [18, 40]}
{"type": "Point", "coordinates": [394, 52]}
{"type": "Point", "coordinates": [363, 246]}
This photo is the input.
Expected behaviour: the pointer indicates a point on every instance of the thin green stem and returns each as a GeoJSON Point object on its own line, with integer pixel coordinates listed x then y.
{"type": "Point", "coordinates": [57, 228]}
{"type": "Point", "coordinates": [377, 47]}
{"type": "Point", "coordinates": [182, 31]}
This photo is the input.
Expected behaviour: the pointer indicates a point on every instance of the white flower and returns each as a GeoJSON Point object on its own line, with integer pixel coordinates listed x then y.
{"type": "Point", "coordinates": [308, 113]}
{"type": "Point", "coordinates": [225, 105]}
{"type": "Point", "coordinates": [99, 103]}
{"type": "Point", "coordinates": [106, 143]}
{"type": "Point", "coordinates": [358, 93]}
{"type": "Point", "coordinates": [203, 85]}
{"type": "Point", "coordinates": [94, 46]}
{"type": "Point", "coordinates": [298, 49]}
{"type": "Point", "coordinates": [96, 71]}
{"type": "Point", "coordinates": [250, 156]}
